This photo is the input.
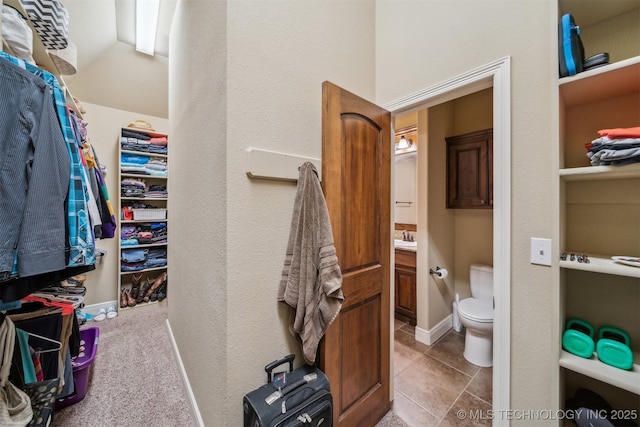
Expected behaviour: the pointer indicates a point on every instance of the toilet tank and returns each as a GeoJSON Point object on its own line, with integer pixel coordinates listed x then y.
{"type": "Point", "coordinates": [481, 281]}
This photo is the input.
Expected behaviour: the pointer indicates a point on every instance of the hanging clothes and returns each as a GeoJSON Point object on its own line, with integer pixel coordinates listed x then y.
{"type": "Point", "coordinates": [34, 176]}
{"type": "Point", "coordinates": [43, 240]}
{"type": "Point", "coordinates": [81, 240]}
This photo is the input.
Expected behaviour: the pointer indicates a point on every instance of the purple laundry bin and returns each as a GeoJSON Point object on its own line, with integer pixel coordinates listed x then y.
{"type": "Point", "coordinates": [81, 366]}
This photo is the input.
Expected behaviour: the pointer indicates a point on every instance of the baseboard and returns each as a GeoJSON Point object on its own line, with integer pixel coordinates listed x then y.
{"type": "Point", "coordinates": [94, 308]}
{"type": "Point", "coordinates": [431, 336]}
{"type": "Point", "coordinates": [185, 379]}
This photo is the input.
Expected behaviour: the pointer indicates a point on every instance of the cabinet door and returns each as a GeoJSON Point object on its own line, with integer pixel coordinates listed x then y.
{"type": "Point", "coordinates": [470, 170]}
{"type": "Point", "coordinates": [405, 289]}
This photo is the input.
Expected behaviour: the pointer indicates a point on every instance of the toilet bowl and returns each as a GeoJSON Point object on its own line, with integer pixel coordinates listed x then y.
{"type": "Point", "coordinates": [476, 315]}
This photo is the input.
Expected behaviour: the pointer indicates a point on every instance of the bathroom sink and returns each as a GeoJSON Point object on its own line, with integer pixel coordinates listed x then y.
{"type": "Point", "coordinates": [398, 243]}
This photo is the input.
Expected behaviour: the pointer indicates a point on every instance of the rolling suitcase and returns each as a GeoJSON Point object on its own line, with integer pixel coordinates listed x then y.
{"type": "Point", "coordinates": [300, 397]}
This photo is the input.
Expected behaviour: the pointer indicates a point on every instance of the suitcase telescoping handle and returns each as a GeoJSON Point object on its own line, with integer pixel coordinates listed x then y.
{"type": "Point", "coordinates": [271, 366]}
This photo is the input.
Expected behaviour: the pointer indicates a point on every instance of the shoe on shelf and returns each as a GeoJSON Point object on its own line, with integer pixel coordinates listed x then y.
{"type": "Point", "coordinates": [124, 298]}
{"type": "Point", "coordinates": [100, 315]}
{"type": "Point", "coordinates": [131, 301]}
{"type": "Point", "coordinates": [155, 285]}
{"type": "Point", "coordinates": [135, 285]}
{"type": "Point", "coordinates": [146, 284]}
{"type": "Point", "coordinates": [162, 290]}
{"type": "Point", "coordinates": [111, 312]}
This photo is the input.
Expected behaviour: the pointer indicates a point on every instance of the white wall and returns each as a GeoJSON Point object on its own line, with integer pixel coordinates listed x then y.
{"type": "Point", "coordinates": [103, 130]}
{"type": "Point", "coordinates": [441, 39]}
{"type": "Point", "coordinates": [251, 77]}
{"type": "Point", "coordinates": [137, 75]}
{"type": "Point", "coordinates": [406, 177]}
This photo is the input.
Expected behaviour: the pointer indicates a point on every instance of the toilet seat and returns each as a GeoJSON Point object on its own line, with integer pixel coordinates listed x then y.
{"type": "Point", "coordinates": [476, 310]}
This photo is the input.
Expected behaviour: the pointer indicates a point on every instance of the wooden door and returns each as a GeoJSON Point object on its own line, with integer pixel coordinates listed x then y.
{"type": "Point", "coordinates": [356, 180]}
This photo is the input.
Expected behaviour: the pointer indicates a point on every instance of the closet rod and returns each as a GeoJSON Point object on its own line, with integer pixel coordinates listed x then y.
{"type": "Point", "coordinates": [267, 164]}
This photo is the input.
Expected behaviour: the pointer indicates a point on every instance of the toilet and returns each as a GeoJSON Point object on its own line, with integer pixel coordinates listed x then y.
{"type": "Point", "coordinates": [476, 315]}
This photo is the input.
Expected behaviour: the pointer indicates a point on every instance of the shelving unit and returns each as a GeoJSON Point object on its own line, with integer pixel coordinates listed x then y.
{"type": "Point", "coordinates": [41, 55]}
{"type": "Point", "coordinates": [146, 211]}
{"type": "Point", "coordinates": [599, 215]}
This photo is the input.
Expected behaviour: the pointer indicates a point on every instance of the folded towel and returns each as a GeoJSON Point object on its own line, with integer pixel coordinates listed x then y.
{"type": "Point", "coordinates": [311, 278]}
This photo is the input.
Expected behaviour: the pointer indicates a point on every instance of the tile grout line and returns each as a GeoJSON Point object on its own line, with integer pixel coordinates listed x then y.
{"type": "Point", "coordinates": [457, 398]}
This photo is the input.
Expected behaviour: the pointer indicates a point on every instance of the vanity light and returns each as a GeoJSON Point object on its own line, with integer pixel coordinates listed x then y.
{"type": "Point", "coordinates": [404, 143]}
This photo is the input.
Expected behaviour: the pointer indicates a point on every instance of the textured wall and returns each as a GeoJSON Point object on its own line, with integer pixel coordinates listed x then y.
{"type": "Point", "coordinates": [198, 215]}
{"type": "Point", "coordinates": [441, 39]}
{"type": "Point", "coordinates": [246, 74]}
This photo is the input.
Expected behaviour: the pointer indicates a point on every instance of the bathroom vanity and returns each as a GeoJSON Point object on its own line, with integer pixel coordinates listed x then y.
{"type": "Point", "coordinates": [405, 282]}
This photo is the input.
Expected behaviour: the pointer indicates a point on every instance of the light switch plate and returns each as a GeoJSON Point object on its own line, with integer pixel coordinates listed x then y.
{"type": "Point", "coordinates": [540, 251]}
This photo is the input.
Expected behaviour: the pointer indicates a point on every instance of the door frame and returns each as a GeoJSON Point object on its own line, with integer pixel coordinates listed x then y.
{"type": "Point", "coordinates": [496, 74]}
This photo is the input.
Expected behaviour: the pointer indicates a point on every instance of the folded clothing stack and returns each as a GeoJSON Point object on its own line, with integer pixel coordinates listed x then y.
{"type": "Point", "coordinates": [138, 141]}
{"type": "Point", "coordinates": [142, 234]}
{"type": "Point", "coordinates": [143, 165]}
{"type": "Point", "coordinates": [619, 146]}
{"type": "Point", "coordinates": [142, 258]}
{"type": "Point", "coordinates": [132, 187]}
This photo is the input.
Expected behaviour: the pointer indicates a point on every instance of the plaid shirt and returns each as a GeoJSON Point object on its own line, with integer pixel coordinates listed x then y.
{"type": "Point", "coordinates": [80, 234]}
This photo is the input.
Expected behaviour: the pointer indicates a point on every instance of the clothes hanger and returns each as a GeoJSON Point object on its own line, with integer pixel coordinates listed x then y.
{"type": "Point", "coordinates": [58, 344]}
{"type": "Point", "coordinates": [67, 308]}
{"type": "Point", "coordinates": [75, 300]}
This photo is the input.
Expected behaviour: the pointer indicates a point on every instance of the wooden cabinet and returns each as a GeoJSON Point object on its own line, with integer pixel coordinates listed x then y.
{"type": "Point", "coordinates": [603, 291]}
{"type": "Point", "coordinates": [405, 286]}
{"type": "Point", "coordinates": [470, 170]}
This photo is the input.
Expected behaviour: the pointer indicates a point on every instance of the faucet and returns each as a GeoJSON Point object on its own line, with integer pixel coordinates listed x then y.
{"type": "Point", "coordinates": [405, 236]}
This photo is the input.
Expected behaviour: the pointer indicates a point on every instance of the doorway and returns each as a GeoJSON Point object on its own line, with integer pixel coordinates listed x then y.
{"type": "Point", "coordinates": [495, 75]}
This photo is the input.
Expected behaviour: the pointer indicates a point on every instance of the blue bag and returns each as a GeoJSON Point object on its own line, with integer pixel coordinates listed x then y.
{"type": "Point", "coordinates": [570, 48]}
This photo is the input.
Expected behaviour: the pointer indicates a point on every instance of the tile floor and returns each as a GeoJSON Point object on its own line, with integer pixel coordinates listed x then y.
{"type": "Point", "coordinates": [434, 382]}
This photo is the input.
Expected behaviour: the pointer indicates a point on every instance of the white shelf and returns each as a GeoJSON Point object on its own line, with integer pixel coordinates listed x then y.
{"type": "Point", "coordinates": [164, 267]}
{"type": "Point", "coordinates": [594, 368]}
{"type": "Point", "coordinates": [606, 82]}
{"type": "Point", "coordinates": [125, 281]}
{"type": "Point", "coordinates": [145, 245]}
{"type": "Point", "coordinates": [588, 13]}
{"type": "Point", "coordinates": [600, 264]}
{"type": "Point", "coordinates": [140, 175]}
{"type": "Point", "coordinates": [42, 57]}
{"type": "Point", "coordinates": [590, 173]}
{"type": "Point", "coordinates": [144, 153]}
{"type": "Point", "coordinates": [137, 221]}
{"type": "Point", "coordinates": [151, 133]}
{"type": "Point", "coordinates": [146, 199]}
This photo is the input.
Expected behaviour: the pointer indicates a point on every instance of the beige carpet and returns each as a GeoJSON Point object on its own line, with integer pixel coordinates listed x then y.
{"type": "Point", "coordinates": [134, 380]}
{"type": "Point", "coordinates": [391, 420]}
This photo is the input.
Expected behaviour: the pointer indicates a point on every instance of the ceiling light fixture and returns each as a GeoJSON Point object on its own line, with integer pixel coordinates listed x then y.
{"type": "Point", "coordinates": [146, 25]}
{"type": "Point", "coordinates": [404, 143]}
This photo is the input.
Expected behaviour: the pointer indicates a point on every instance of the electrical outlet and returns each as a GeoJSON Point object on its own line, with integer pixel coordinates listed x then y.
{"type": "Point", "coordinates": [540, 251]}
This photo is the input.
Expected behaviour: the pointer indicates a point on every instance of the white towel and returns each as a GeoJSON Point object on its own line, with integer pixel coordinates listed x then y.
{"type": "Point", "coordinates": [311, 278]}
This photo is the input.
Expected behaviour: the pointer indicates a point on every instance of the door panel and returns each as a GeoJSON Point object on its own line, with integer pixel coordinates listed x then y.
{"type": "Point", "coordinates": [360, 374]}
{"type": "Point", "coordinates": [359, 199]}
{"type": "Point", "coordinates": [356, 167]}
